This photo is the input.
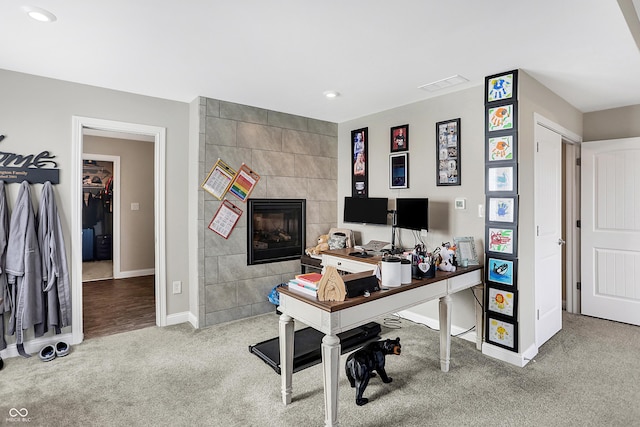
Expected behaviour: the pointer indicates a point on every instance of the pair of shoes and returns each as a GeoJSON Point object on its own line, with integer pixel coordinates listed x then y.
{"type": "Point", "coordinates": [49, 352]}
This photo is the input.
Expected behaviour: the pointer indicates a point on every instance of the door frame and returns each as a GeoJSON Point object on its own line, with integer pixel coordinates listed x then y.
{"type": "Point", "coordinates": [116, 205]}
{"type": "Point", "coordinates": [79, 124]}
{"type": "Point", "coordinates": [572, 210]}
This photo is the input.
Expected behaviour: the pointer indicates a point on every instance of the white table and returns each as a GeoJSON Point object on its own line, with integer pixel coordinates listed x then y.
{"type": "Point", "coordinates": [332, 318]}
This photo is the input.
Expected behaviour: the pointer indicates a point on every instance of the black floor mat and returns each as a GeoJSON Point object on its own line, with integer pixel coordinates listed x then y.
{"type": "Point", "coordinates": [306, 346]}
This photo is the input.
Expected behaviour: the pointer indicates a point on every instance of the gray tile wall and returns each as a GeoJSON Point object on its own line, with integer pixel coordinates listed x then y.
{"type": "Point", "coordinates": [296, 157]}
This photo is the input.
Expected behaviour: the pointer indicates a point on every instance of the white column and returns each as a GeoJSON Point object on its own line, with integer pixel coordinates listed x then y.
{"type": "Point", "coordinates": [286, 356]}
{"type": "Point", "coordinates": [445, 332]}
{"type": "Point", "coordinates": [331, 372]}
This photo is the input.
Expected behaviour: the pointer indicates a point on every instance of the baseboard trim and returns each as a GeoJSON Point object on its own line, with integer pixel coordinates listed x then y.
{"type": "Point", "coordinates": [435, 324]}
{"type": "Point", "coordinates": [177, 318]}
{"type": "Point", "coordinates": [517, 359]}
{"type": "Point", "coordinates": [135, 273]}
{"type": "Point", "coordinates": [33, 346]}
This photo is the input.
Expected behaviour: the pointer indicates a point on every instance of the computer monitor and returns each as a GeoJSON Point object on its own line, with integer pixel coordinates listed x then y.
{"type": "Point", "coordinates": [412, 213]}
{"type": "Point", "coordinates": [366, 210]}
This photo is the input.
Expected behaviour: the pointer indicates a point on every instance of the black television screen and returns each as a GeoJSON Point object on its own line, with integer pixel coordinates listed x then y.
{"type": "Point", "coordinates": [412, 214]}
{"type": "Point", "coordinates": [366, 210]}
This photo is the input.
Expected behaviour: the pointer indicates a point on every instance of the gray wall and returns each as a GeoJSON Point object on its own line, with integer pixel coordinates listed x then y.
{"type": "Point", "coordinates": [296, 157]}
{"type": "Point", "coordinates": [615, 123]}
{"type": "Point", "coordinates": [137, 242]}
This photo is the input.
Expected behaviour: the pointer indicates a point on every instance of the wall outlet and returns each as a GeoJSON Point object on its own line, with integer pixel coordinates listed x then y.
{"type": "Point", "coordinates": [135, 206]}
{"type": "Point", "coordinates": [177, 287]}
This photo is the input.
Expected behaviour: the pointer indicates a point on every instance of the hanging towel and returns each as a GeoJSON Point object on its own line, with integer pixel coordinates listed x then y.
{"type": "Point", "coordinates": [6, 299]}
{"type": "Point", "coordinates": [23, 268]}
{"type": "Point", "coordinates": [55, 274]}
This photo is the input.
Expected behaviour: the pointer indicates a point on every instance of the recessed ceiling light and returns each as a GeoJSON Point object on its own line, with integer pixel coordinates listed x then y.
{"type": "Point", "coordinates": [444, 83]}
{"type": "Point", "coordinates": [39, 14]}
{"type": "Point", "coordinates": [331, 94]}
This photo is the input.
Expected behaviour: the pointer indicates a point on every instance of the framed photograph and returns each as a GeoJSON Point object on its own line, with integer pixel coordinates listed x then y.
{"type": "Point", "coordinates": [502, 209]}
{"type": "Point", "coordinates": [502, 179]}
{"type": "Point", "coordinates": [502, 332]}
{"type": "Point", "coordinates": [399, 170]}
{"type": "Point", "coordinates": [502, 148]}
{"type": "Point", "coordinates": [466, 250]}
{"type": "Point", "coordinates": [502, 117]}
{"type": "Point", "coordinates": [501, 271]}
{"type": "Point", "coordinates": [400, 138]}
{"type": "Point", "coordinates": [501, 87]}
{"type": "Point", "coordinates": [448, 152]}
{"type": "Point", "coordinates": [359, 172]}
{"type": "Point", "coordinates": [501, 301]}
{"type": "Point", "coordinates": [501, 240]}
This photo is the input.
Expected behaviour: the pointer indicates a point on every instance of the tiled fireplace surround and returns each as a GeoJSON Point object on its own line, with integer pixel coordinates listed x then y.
{"type": "Point", "coordinates": [296, 158]}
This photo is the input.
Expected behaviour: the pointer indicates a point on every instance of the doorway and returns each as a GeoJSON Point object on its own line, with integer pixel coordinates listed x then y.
{"type": "Point", "coordinates": [82, 125]}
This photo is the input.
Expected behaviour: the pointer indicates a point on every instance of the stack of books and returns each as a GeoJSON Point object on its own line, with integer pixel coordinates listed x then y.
{"type": "Point", "coordinates": [306, 283]}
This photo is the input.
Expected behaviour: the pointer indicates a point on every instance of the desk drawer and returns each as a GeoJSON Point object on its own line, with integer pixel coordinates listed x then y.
{"type": "Point", "coordinates": [343, 264]}
{"type": "Point", "coordinates": [464, 281]}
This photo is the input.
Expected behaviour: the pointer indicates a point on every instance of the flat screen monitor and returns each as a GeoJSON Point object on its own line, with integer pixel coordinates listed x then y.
{"type": "Point", "coordinates": [412, 214]}
{"type": "Point", "coordinates": [366, 210]}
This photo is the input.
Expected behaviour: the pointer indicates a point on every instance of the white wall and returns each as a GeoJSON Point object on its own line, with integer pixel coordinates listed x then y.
{"type": "Point", "coordinates": [36, 115]}
{"type": "Point", "coordinates": [444, 221]}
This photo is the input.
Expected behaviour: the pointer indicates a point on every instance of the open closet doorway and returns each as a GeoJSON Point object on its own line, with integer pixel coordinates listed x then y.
{"type": "Point", "coordinates": [137, 240]}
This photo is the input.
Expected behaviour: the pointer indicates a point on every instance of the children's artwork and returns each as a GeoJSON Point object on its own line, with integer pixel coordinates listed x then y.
{"type": "Point", "coordinates": [502, 333]}
{"type": "Point", "coordinates": [244, 182]}
{"type": "Point", "coordinates": [501, 301]}
{"type": "Point", "coordinates": [501, 87]}
{"type": "Point", "coordinates": [501, 179]}
{"type": "Point", "coordinates": [501, 148]}
{"type": "Point", "coordinates": [501, 240]}
{"type": "Point", "coordinates": [219, 179]}
{"type": "Point", "coordinates": [448, 152]}
{"type": "Point", "coordinates": [501, 271]}
{"type": "Point", "coordinates": [502, 209]}
{"type": "Point", "coordinates": [501, 117]}
{"type": "Point", "coordinates": [225, 219]}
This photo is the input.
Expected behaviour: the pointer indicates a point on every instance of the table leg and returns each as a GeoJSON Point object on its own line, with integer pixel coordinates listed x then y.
{"type": "Point", "coordinates": [286, 356]}
{"type": "Point", "coordinates": [331, 372]}
{"type": "Point", "coordinates": [445, 332]}
{"type": "Point", "coordinates": [478, 292]}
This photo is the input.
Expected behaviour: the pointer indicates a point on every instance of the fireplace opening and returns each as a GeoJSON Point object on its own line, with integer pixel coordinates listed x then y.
{"type": "Point", "coordinates": [275, 230]}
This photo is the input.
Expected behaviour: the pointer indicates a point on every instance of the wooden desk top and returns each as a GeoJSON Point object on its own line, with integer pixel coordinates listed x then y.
{"type": "Point", "coordinates": [332, 306]}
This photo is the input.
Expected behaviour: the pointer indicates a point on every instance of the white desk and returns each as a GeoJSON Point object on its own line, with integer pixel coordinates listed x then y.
{"type": "Point", "coordinates": [332, 318]}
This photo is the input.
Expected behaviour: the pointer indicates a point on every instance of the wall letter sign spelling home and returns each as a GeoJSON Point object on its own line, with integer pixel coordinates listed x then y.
{"type": "Point", "coordinates": [34, 168]}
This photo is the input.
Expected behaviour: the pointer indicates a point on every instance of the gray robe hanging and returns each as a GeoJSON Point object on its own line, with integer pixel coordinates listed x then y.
{"type": "Point", "coordinates": [6, 298]}
{"type": "Point", "coordinates": [55, 274]}
{"type": "Point", "coordinates": [23, 268]}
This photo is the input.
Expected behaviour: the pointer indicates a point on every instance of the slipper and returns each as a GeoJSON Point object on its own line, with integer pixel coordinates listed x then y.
{"type": "Point", "coordinates": [62, 349]}
{"type": "Point", "coordinates": [48, 353]}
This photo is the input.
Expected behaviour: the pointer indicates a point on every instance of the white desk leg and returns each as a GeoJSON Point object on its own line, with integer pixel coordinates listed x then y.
{"type": "Point", "coordinates": [445, 332]}
{"type": "Point", "coordinates": [286, 356]}
{"type": "Point", "coordinates": [331, 372]}
{"type": "Point", "coordinates": [478, 292]}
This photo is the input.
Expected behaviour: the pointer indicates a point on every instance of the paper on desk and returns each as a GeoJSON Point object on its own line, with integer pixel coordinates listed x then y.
{"type": "Point", "coordinates": [375, 245]}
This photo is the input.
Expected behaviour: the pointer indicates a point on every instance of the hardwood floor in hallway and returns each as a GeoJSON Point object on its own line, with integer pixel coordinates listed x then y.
{"type": "Point", "coordinates": [112, 306]}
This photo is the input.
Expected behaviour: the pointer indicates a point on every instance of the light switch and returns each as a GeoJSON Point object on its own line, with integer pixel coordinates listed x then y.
{"type": "Point", "coordinates": [135, 206]}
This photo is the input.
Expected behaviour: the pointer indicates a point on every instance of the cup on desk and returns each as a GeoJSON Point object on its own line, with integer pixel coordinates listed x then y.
{"type": "Point", "coordinates": [464, 263]}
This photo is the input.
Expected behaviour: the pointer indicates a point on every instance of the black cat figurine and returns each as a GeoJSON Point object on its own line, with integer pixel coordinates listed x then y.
{"type": "Point", "coordinates": [362, 363]}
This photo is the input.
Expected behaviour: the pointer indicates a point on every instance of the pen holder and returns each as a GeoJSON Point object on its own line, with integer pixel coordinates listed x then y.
{"type": "Point", "coordinates": [422, 267]}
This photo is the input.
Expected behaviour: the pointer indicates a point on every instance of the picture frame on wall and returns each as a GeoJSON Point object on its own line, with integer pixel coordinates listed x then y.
{"type": "Point", "coordinates": [502, 148]}
{"type": "Point", "coordinates": [501, 179]}
{"type": "Point", "coordinates": [501, 271]}
{"type": "Point", "coordinates": [502, 332]}
{"type": "Point", "coordinates": [399, 170]}
{"type": "Point", "coordinates": [400, 138]}
{"type": "Point", "coordinates": [448, 168]}
{"type": "Point", "coordinates": [502, 209]}
{"type": "Point", "coordinates": [501, 301]}
{"type": "Point", "coordinates": [501, 240]}
{"type": "Point", "coordinates": [501, 87]}
{"type": "Point", "coordinates": [501, 117]}
{"type": "Point", "coordinates": [359, 164]}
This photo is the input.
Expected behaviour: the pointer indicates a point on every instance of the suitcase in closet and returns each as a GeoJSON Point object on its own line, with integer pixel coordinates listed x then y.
{"type": "Point", "coordinates": [103, 247]}
{"type": "Point", "coordinates": [87, 244]}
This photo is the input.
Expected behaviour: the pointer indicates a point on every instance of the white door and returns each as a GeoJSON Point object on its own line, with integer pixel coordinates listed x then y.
{"type": "Point", "coordinates": [611, 230]}
{"type": "Point", "coordinates": [548, 240]}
